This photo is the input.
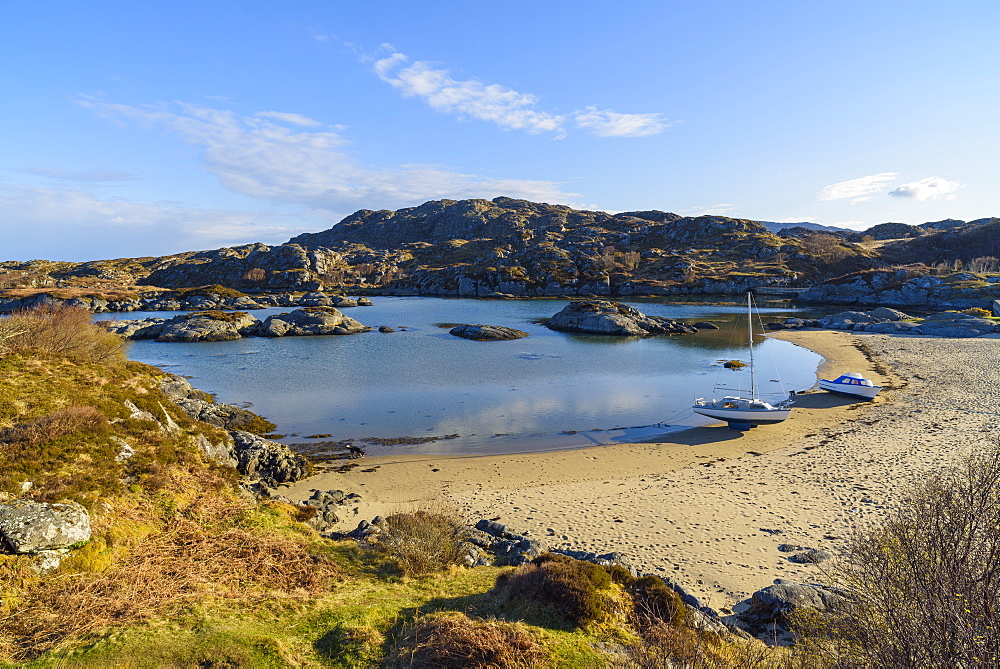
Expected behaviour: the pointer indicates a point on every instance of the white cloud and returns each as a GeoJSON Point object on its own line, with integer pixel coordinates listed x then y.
{"type": "Point", "coordinates": [294, 119]}
{"type": "Point", "coordinates": [608, 123]}
{"type": "Point", "coordinates": [74, 224]}
{"type": "Point", "coordinates": [258, 156]}
{"type": "Point", "coordinates": [857, 190]}
{"type": "Point", "coordinates": [486, 102]}
{"type": "Point", "coordinates": [716, 210]}
{"type": "Point", "coordinates": [931, 188]}
{"type": "Point", "coordinates": [507, 108]}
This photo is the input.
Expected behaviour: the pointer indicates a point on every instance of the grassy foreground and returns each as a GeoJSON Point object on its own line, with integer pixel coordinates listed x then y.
{"type": "Point", "coordinates": [186, 569]}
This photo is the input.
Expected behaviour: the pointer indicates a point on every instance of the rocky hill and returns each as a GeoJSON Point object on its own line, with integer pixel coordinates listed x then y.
{"type": "Point", "coordinates": [508, 247]}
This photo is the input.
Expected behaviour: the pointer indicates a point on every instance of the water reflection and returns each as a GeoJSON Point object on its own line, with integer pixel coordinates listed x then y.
{"type": "Point", "coordinates": [422, 381]}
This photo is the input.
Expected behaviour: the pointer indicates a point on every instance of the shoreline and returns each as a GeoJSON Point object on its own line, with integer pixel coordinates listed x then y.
{"type": "Point", "coordinates": [709, 506]}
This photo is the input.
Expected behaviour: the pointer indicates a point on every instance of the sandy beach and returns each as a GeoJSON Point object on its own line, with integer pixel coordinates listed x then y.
{"type": "Point", "coordinates": [710, 507]}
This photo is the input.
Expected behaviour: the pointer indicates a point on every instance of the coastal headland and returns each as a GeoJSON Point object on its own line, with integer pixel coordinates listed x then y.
{"type": "Point", "coordinates": [710, 507]}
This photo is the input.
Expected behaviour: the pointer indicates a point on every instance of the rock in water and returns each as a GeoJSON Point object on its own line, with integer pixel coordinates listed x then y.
{"type": "Point", "coordinates": [30, 527]}
{"type": "Point", "coordinates": [487, 332]}
{"type": "Point", "coordinates": [208, 326]}
{"type": "Point", "coordinates": [310, 321]}
{"type": "Point", "coordinates": [613, 318]}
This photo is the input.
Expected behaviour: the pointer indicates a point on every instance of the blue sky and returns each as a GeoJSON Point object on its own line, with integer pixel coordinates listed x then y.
{"type": "Point", "coordinates": [133, 129]}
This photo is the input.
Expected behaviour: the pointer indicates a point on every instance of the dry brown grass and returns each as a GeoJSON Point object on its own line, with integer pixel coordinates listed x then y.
{"type": "Point", "coordinates": [455, 640]}
{"type": "Point", "coordinates": [55, 425]}
{"type": "Point", "coordinates": [208, 551]}
{"type": "Point", "coordinates": [64, 330]}
{"type": "Point", "coordinates": [422, 542]}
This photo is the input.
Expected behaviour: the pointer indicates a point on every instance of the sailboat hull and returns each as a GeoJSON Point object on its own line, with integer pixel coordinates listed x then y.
{"type": "Point", "coordinates": [747, 416]}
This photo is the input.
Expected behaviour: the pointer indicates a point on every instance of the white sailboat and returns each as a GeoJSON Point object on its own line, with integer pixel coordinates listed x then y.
{"type": "Point", "coordinates": [745, 411]}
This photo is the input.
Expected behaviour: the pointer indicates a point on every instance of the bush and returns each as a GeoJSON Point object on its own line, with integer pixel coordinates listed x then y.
{"type": "Point", "coordinates": [923, 589]}
{"type": "Point", "coordinates": [422, 542]}
{"type": "Point", "coordinates": [455, 640]}
{"type": "Point", "coordinates": [574, 589]}
{"type": "Point", "coordinates": [62, 330]}
{"type": "Point", "coordinates": [976, 311]}
{"type": "Point", "coordinates": [654, 599]}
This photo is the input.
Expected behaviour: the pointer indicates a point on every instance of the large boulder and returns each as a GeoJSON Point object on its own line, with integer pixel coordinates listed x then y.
{"type": "Point", "coordinates": [267, 461]}
{"type": "Point", "coordinates": [487, 332]}
{"type": "Point", "coordinates": [775, 602]}
{"type": "Point", "coordinates": [310, 321]}
{"type": "Point", "coordinates": [208, 326]}
{"type": "Point", "coordinates": [613, 318]}
{"type": "Point", "coordinates": [30, 527]}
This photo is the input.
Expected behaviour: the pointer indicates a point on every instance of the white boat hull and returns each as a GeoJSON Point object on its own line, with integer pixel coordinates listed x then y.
{"type": "Point", "coordinates": [747, 416]}
{"type": "Point", "coordinates": [864, 392]}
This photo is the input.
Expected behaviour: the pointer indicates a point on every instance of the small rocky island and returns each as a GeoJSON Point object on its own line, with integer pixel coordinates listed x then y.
{"type": "Point", "coordinates": [613, 318]}
{"type": "Point", "coordinates": [225, 325]}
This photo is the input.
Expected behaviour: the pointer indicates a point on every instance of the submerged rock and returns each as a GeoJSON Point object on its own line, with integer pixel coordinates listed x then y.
{"type": "Point", "coordinates": [613, 318]}
{"type": "Point", "coordinates": [487, 332]}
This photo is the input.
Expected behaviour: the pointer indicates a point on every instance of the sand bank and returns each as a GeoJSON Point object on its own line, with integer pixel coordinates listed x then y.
{"type": "Point", "coordinates": [710, 506]}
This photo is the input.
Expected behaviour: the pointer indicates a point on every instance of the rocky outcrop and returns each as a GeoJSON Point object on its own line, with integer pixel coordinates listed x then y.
{"type": "Point", "coordinates": [267, 461]}
{"type": "Point", "coordinates": [332, 507]}
{"type": "Point", "coordinates": [955, 324]}
{"type": "Point", "coordinates": [183, 301]}
{"type": "Point", "coordinates": [208, 326]}
{"type": "Point", "coordinates": [900, 288]}
{"type": "Point", "coordinates": [310, 321]}
{"type": "Point", "coordinates": [27, 526]}
{"type": "Point", "coordinates": [220, 326]}
{"type": "Point", "coordinates": [487, 332]}
{"type": "Point", "coordinates": [613, 318]}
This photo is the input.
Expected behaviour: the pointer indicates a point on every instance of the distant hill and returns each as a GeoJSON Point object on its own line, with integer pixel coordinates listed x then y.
{"type": "Point", "coordinates": [778, 227]}
{"type": "Point", "coordinates": [511, 247]}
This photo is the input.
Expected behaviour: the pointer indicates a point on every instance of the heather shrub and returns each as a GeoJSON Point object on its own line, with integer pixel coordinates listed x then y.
{"type": "Point", "coordinates": [576, 590]}
{"type": "Point", "coordinates": [63, 330]}
{"type": "Point", "coordinates": [422, 542]}
{"type": "Point", "coordinates": [455, 640]}
{"type": "Point", "coordinates": [654, 599]}
{"type": "Point", "coordinates": [55, 425]}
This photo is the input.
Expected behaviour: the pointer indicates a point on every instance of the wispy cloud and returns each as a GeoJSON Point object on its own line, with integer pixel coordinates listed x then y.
{"type": "Point", "coordinates": [715, 210]}
{"type": "Point", "coordinates": [931, 188]}
{"type": "Point", "coordinates": [857, 190]}
{"type": "Point", "coordinates": [86, 176]}
{"type": "Point", "coordinates": [608, 123]}
{"type": "Point", "coordinates": [292, 119]}
{"type": "Point", "coordinates": [507, 108]}
{"type": "Point", "coordinates": [276, 156]}
{"type": "Point", "coordinates": [75, 224]}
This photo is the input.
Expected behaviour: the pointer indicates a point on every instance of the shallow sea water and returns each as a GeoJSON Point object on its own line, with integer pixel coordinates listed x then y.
{"type": "Point", "coordinates": [548, 390]}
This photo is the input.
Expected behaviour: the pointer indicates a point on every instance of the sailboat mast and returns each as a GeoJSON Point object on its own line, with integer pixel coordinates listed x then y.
{"type": "Point", "coordinates": [753, 378]}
